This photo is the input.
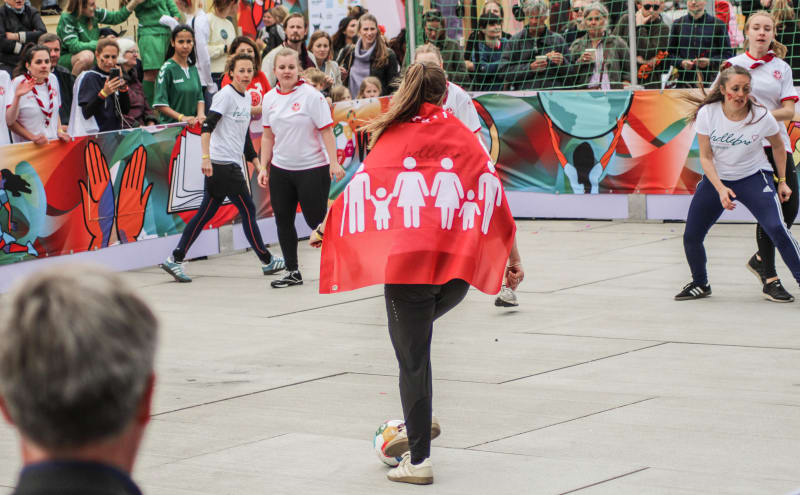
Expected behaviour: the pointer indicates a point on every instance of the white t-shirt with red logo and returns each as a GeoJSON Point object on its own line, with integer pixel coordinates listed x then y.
{"type": "Point", "coordinates": [295, 119]}
{"type": "Point", "coordinates": [771, 84]}
{"type": "Point", "coordinates": [31, 116]}
{"type": "Point", "coordinates": [6, 97]}
{"type": "Point", "coordinates": [459, 103]}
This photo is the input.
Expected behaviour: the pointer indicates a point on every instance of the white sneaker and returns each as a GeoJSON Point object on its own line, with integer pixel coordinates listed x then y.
{"type": "Point", "coordinates": [398, 445]}
{"type": "Point", "coordinates": [417, 474]}
{"type": "Point", "coordinates": [506, 298]}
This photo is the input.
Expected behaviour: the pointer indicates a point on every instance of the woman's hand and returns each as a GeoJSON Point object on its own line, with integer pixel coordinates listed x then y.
{"type": "Point", "coordinates": [189, 119]}
{"type": "Point", "coordinates": [727, 197]}
{"type": "Point", "coordinates": [24, 87]}
{"type": "Point", "coordinates": [206, 167]}
{"type": "Point", "coordinates": [784, 192]}
{"type": "Point", "coordinates": [62, 135]}
{"type": "Point", "coordinates": [112, 85]}
{"type": "Point", "coordinates": [337, 172]}
{"type": "Point", "coordinates": [514, 275]}
{"type": "Point", "coordinates": [315, 240]}
{"type": "Point", "coordinates": [263, 177]}
{"type": "Point", "coordinates": [39, 139]}
{"type": "Point", "coordinates": [328, 81]}
{"type": "Point", "coordinates": [343, 72]}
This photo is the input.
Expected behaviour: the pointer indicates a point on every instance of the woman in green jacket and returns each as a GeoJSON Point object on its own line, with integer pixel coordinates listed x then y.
{"type": "Point", "coordinates": [79, 31]}
{"type": "Point", "coordinates": [599, 60]}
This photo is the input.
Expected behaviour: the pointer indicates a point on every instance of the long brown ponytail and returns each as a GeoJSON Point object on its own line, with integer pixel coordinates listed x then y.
{"type": "Point", "coordinates": [422, 83]}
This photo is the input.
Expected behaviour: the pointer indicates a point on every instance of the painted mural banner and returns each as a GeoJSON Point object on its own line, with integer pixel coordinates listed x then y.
{"type": "Point", "coordinates": [133, 185]}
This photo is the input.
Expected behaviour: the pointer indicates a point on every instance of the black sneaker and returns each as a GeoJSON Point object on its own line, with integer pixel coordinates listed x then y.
{"type": "Point", "coordinates": [756, 267]}
{"type": "Point", "coordinates": [775, 292]}
{"type": "Point", "coordinates": [291, 278]}
{"type": "Point", "coordinates": [693, 291]}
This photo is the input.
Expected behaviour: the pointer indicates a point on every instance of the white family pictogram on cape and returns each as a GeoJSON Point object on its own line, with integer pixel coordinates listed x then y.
{"type": "Point", "coordinates": [410, 189]}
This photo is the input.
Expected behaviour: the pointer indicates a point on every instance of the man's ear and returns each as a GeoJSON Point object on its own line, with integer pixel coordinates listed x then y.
{"type": "Point", "coordinates": [146, 403]}
{"type": "Point", "coordinates": [4, 410]}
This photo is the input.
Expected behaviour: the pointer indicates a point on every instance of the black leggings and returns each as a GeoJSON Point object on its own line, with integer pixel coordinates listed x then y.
{"type": "Point", "coordinates": [766, 249]}
{"type": "Point", "coordinates": [226, 181]}
{"type": "Point", "coordinates": [411, 310]}
{"type": "Point", "coordinates": [287, 188]}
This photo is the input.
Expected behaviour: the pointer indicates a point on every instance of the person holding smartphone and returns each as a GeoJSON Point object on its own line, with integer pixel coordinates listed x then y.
{"type": "Point", "coordinates": [103, 92]}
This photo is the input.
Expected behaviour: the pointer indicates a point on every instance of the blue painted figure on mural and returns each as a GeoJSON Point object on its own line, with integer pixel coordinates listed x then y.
{"type": "Point", "coordinates": [13, 184]}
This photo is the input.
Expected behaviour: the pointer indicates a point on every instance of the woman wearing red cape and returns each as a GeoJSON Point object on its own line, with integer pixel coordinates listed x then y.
{"type": "Point", "coordinates": [427, 217]}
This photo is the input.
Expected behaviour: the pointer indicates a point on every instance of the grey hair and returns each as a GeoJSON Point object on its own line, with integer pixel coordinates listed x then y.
{"type": "Point", "coordinates": [77, 349]}
{"type": "Point", "coordinates": [540, 6]}
{"type": "Point", "coordinates": [596, 6]}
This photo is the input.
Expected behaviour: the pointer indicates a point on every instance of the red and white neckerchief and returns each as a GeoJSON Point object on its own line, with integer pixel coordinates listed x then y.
{"type": "Point", "coordinates": [761, 61]}
{"type": "Point", "coordinates": [48, 113]}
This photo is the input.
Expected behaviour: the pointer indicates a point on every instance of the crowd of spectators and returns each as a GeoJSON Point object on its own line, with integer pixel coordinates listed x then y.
{"type": "Point", "coordinates": [99, 80]}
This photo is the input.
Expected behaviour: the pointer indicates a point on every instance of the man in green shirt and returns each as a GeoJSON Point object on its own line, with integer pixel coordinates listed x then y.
{"type": "Point", "coordinates": [178, 92]}
{"type": "Point", "coordinates": [79, 31]}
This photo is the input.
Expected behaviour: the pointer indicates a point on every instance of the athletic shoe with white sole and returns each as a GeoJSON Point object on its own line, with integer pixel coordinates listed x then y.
{"type": "Point", "coordinates": [756, 267]}
{"type": "Point", "coordinates": [274, 266]}
{"type": "Point", "coordinates": [290, 279]}
{"type": "Point", "coordinates": [175, 269]}
{"type": "Point", "coordinates": [693, 291]}
{"type": "Point", "coordinates": [417, 474]}
{"type": "Point", "coordinates": [775, 292]}
{"type": "Point", "coordinates": [506, 298]}
{"type": "Point", "coordinates": [398, 445]}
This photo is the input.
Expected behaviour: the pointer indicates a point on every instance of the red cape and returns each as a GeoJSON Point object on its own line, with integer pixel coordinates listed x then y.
{"type": "Point", "coordinates": [428, 207]}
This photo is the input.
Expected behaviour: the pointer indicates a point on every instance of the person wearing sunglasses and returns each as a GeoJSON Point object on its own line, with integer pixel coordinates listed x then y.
{"type": "Point", "coordinates": [652, 40]}
{"type": "Point", "coordinates": [575, 28]}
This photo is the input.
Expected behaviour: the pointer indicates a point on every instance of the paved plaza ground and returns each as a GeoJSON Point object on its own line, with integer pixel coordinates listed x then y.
{"type": "Point", "coordinates": [599, 383]}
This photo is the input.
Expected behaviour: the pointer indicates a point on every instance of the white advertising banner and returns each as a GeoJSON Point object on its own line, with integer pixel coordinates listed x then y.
{"type": "Point", "coordinates": [326, 14]}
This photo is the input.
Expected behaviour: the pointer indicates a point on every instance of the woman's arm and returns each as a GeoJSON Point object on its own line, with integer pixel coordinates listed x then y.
{"type": "Point", "coordinates": [785, 112]}
{"type": "Point", "coordinates": [514, 272]}
{"type": "Point", "coordinates": [267, 142]}
{"type": "Point", "coordinates": [726, 195]}
{"type": "Point", "coordinates": [336, 170]}
{"type": "Point", "coordinates": [20, 130]}
{"type": "Point", "coordinates": [779, 157]}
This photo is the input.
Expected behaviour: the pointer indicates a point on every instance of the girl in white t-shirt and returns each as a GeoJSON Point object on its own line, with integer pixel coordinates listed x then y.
{"type": "Point", "coordinates": [772, 87]}
{"type": "Point", "coordinates": [35, 118]}
{"type": "Point", "coordinates": [730, 129]}
{"type": "Point", "coordinates": [225, 136]}
{"type": "Point", "coordinates": [297, 141]}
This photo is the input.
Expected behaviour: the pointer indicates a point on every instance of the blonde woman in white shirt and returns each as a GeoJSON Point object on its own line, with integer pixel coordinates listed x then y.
{"type": "Point", "coordinates": [730, 128]}
{"type": "Point", "coordinates": [772, 87]}
{"type": "Point", "coordinates": [35, 117]}
{"type": "Point", "coordinates": [297, 141]}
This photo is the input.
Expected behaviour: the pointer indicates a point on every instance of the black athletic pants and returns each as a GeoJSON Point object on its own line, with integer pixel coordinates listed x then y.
{"type": "Point", "coordinates": [411, 310]}
{"type": "Point", "coordinates": [226, 181]}
{"type": "Point", "coordinates": [766, 248]}
{"type": "Point", "coordinates": [287, 188]}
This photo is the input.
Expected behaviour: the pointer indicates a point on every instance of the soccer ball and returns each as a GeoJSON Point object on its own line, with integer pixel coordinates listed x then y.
{"type": "Point", "coordinates": [385, 433]}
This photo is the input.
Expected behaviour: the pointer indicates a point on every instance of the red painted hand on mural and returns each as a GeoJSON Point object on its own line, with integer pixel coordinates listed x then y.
{"type": "Point", "coordinates": [132, 202]}
{"type": "Point", "coordinates": [98, 197]}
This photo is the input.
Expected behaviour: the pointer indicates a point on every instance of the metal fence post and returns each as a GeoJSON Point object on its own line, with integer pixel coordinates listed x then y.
{"type": "Point", "coordinates": [411, 29]}
{"type": "Point", "coordinates": [632, 45]}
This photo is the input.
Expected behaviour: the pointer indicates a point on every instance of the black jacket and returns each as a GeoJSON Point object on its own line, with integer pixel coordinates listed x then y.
{"type": "Point", "coordinates": [106, 111]}
{"type": "Point", "coordinates": [521, 50]}
{"type": "Point", "coordinates": [386, 74]}
{"type": "Point", "coordinates": [66, 81]}
{"type": "Point", "coordinates": [706, 37]}
{"type": "Point", "coordinates": [29, 23]}
{"type": "Point", "coordinates": [74, 477]}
